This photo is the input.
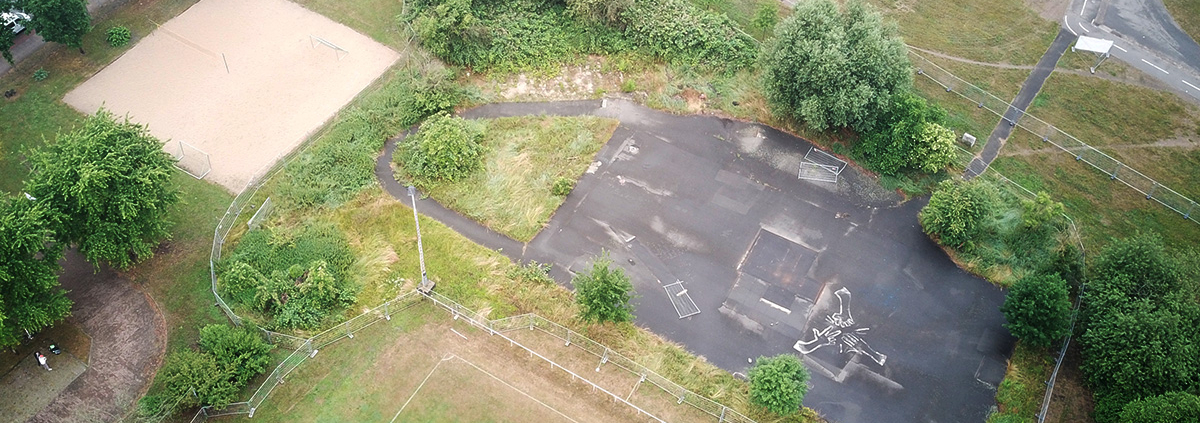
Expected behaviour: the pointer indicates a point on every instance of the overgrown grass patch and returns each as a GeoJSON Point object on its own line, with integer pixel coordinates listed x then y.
{"type": "Point", "coordinates": [997, 31]}
{"type": "Point", "coordinates": [524, 156]}
{"type": "Point", "coordinates": [1020, 394]}
{"type": "Point", "coordinates": [376, 19]}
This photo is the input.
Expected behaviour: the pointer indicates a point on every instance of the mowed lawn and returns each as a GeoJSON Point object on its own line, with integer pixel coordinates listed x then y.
{"type": "Point", "coordinates": [525, 155]}
{"type": "Point", "coordinates": [422, 366]}
{"type": "Point", "coordinates": [994, 31]}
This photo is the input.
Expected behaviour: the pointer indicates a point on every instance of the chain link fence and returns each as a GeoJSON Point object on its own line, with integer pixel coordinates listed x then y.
{"type": "Point", "coordinates": [719, 412]}
{"type": "Point", "coordinates": [1115, 169]}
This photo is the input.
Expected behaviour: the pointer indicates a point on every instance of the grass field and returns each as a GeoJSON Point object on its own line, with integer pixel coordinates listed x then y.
{"type": "Point", "coordinates": [1020, 394]}
{"type": "Point", "coordinates": [1187, 14]}
{"type": "Point", "coordinates": [525, 156]}
{"type": "Point", "coordinates": [997, 31]}
{"type": "Point", "coordinates": [424, 366]}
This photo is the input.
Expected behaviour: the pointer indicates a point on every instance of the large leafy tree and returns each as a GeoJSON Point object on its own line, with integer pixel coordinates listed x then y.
{"type": "Point", "coordinates": [835, 68]}
{"type": "Point", "coordinates": [1038, 309]}
{"type": "Point", "coordinates": [779, 383]}
{"type": "Point", "coordinates": [604, 292]}
{"type": "Point", "coordinates": [60, 21]}
{"type": "Point", "coordinates": [111, 182]}
{"type": "Point", "coordinates": [1142, 328]}
{"type": "Point", "coordinates": [1172, 407]}
{"type": "Point", "coordinates": [30, 297]}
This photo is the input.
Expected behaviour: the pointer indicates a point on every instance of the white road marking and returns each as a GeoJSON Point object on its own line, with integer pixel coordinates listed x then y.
{"type": "Point", "coordinates": [1082, 8]}
{"type": "Point", "coordinates": [1068, 25]}
{"type": "Point", "coordinates": [775, 306]}
{"type": "Point", "coordinates": [1190, 84]}
{"type": "Point", "coordinates": [1156, 66]}
{"type": "Point", "coordinates": [1085, 30]}
{"type": "Point", "coordinates": [1119, 48]}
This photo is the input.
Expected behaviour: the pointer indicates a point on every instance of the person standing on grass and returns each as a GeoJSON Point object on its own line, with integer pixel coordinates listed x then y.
{"type": "Point", "coordinates": [42, 361]}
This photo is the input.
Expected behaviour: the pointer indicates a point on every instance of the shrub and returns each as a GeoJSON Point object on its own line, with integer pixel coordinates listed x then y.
{"type": "Point", "coordinates": [1172, 407]}
{"type": "Point", "coordinates": [532, 272]}
{"type": "Point", "coordinates": [957, 211]}
{"type": "Point", "coordinates": [40, 75]}
{"type": "Point", "coordinates": [604, 292]}
{"type": "Point", "coordinates": [186, 372]}
{"type": "Point", "coordinates": [908, 137]}
{"type": "Point", "coordinates": [605, 11]}
{"type": "Point", "coordinates": [118, 36]}
{"type": "Point", "coordinates": [834, 68]}
{"type": "Point", "coordinates": [680, 32]}
{"type": "Point", "coordinates": [445, 148]}
{"type": "Point", "coordinates": [1038, 309]}
{"type": "Point", "coordinates": [562, 187]}
{"type": "Point", "coordinates": [778, 383]}
{"type": "Point", "coordinates": [240, 350]}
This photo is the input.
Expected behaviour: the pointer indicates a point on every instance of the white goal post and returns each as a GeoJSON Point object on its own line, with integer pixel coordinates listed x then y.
{"type": "Point", "coordinates": [337, 51]}
{"type": "Point", "coordinates": [190, 159]}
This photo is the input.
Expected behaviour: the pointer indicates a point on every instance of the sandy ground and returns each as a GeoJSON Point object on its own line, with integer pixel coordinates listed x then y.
{"type": "Point", "coordinates": [279, 88]}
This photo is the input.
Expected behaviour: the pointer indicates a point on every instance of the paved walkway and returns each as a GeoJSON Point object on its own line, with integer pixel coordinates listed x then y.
{"type": "Point", "coordinates": [1029, 89]}
{"type": "Point", "coordinates": [28, 42]}
{"type": "Point", "coordinates": [714, 206]}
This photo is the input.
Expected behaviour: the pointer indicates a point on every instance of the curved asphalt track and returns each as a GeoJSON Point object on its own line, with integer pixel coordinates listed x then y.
{"type": "Point", "coordinates": [716, 205]}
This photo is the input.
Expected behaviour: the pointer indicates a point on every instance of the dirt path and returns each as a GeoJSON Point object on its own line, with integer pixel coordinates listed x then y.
{"type": "Point", "coordinates": [1155, 85]}
{"type": "Point", "coordinates": [128, 342]}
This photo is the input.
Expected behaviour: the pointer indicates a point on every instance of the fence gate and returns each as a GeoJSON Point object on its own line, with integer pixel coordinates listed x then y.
{"type": "Point", "coordinates": [820, 166]}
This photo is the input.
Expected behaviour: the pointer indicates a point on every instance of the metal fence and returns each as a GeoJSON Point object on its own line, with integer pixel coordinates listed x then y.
{"type": "Point", "coordinates": [719, 412]}
{"type": "Point", "coordinates": [1115, 169]}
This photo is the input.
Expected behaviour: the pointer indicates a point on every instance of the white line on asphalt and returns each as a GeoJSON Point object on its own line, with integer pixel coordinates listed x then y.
{"type": "Point", "coordinates": [1085, 30]}
{"type": "Point", "coordinates": [1082, 8]}
{"type": "Point", "coordinates": [1068, 25]}
{"type": "Point", "coordinates": [1156, 67]}
{"type": "Point", "coordinates": [1119, 48]}
{"type": "Point", "coordinates": [1190, 84]}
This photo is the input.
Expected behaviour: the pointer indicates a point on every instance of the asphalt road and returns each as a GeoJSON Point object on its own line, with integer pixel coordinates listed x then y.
{"type": "Point", "coordinates": [709, 212]}
{"type": "Point", "coordinates": [1029, 90]}
{"type": "Point", "coordinates": [1144, 36]}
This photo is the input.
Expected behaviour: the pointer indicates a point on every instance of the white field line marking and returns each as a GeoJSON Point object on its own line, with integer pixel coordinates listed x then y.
{"type": "Point", "coordinates": [1120, 48]}
{"type": "Point", "coordinates": [631, 391]}
{"type": "Point", "coordinates": [1156, 66]}
{"type": "Point", "coordinates": [414, 394]}
{"type": "Point", "coordinates": [1190, 84]}
{"type": "Point", "coordinates": [459, 334]}
{"type": "Point", "coordinates": [516, 389]}
{"type": "Point", "coordinates": [1083, 8]}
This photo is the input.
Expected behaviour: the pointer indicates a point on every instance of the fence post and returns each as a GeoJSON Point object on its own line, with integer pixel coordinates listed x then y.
{"type": "Point", "coordinates": [722, 418]}
{"type": "Point", "coordinates": [568, 338]}
{"type": "Point", "coordinates": [1150, 195]}
{"type": "Point", "coordinates": [386, 315]}
{"type": "Point", "coordinates": [603, 359]}
{"type": "Point", "coordinates": [1114, 172]}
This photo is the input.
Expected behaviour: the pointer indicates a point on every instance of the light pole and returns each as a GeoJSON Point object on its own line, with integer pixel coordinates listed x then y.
{"type": "Point", "coordinates": [426, 285]}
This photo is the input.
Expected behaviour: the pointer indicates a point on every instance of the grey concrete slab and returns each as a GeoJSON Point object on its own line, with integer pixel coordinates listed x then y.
{"type": "Point", "coordinates": [893, 330]}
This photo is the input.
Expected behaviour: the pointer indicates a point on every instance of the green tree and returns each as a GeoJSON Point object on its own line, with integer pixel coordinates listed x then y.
{"type": "Point", "coordinates": [834, 68]}
{"type": "Point", "coordinates": [445, 148]}
{"type": "Point", "coordinates": [1038, 309]}
{"type": "Point", "coordinates": [903, 138]}
{"type": "Point", "coordinates": [111, 183]}
{"type": "Point", "coordinates": [8, 33]}
{"type": "Point", "coordinates": [604, 293]}
{"type": "Point", "coordinates": [779, 383]}
{"type": "Point", "coordinates": [60, 21]}
{"type": "Point", "coordinates": [957, 211]}
{"type": "Point", "coordinates": [30, 297]}
{"type": "Point", "coordinates": [1171, 407]}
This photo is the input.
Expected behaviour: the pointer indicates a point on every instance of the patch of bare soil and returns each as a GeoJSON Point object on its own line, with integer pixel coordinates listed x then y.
{"type": "Point", "coordinates": [574, 82]}
{"type": "Point", "coordinates": [1071, 401]}
{"type": "Point", "coordinates": [1051, 10]}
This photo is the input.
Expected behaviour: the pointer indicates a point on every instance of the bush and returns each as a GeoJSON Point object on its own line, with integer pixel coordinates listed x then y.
{"type": "Point", "coordinates": [445, 148]}
{"type": "Point", "coordinates": [532, 272]}
{"type": "Point", "coordinates": [834, 68]}
{"type": "Point", "coordinates": [40, 75]}
{"type": "Point", "coordinates": [908, 137]}
{"type": "Point", "coordinates": [957, 211]}
{"type": "Point", "coordinates": [342, 162]}
{"type": "Point", "coordinates": [1172, 407]}
{"type": "Point", "coordinates": [604, 292]}
{"type": "Point", "coordinates": [241, 351]}
{"type": "Point", "coordinates": [778, 383]}
{"type": "Point", "coordinates": [680, 32]}
{"type": "Point", "coordinates": [186, 372]}
{"type": "Point", "coordinates": [118, 36]}
{"type": "Point", "coordinates": [562, 187]}
{"type": "Point", "coordinates": [298, 278]}
{"type": "Point", "coordinates": [1038, 310]}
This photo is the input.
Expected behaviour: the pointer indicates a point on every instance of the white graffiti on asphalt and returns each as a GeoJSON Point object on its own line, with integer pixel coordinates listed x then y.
{"type": "Point", "coordinates": [841, 332]}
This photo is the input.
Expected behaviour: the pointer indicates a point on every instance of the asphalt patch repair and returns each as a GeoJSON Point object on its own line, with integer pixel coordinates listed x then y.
{"type": "Point", "coordinates": [839, 274]}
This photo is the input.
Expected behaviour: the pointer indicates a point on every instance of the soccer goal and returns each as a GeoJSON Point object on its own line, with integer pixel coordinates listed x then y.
{"type": "Point", "coordinates": [190, 159]}
{"type": "Point", "coordinates": [337, 51]}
